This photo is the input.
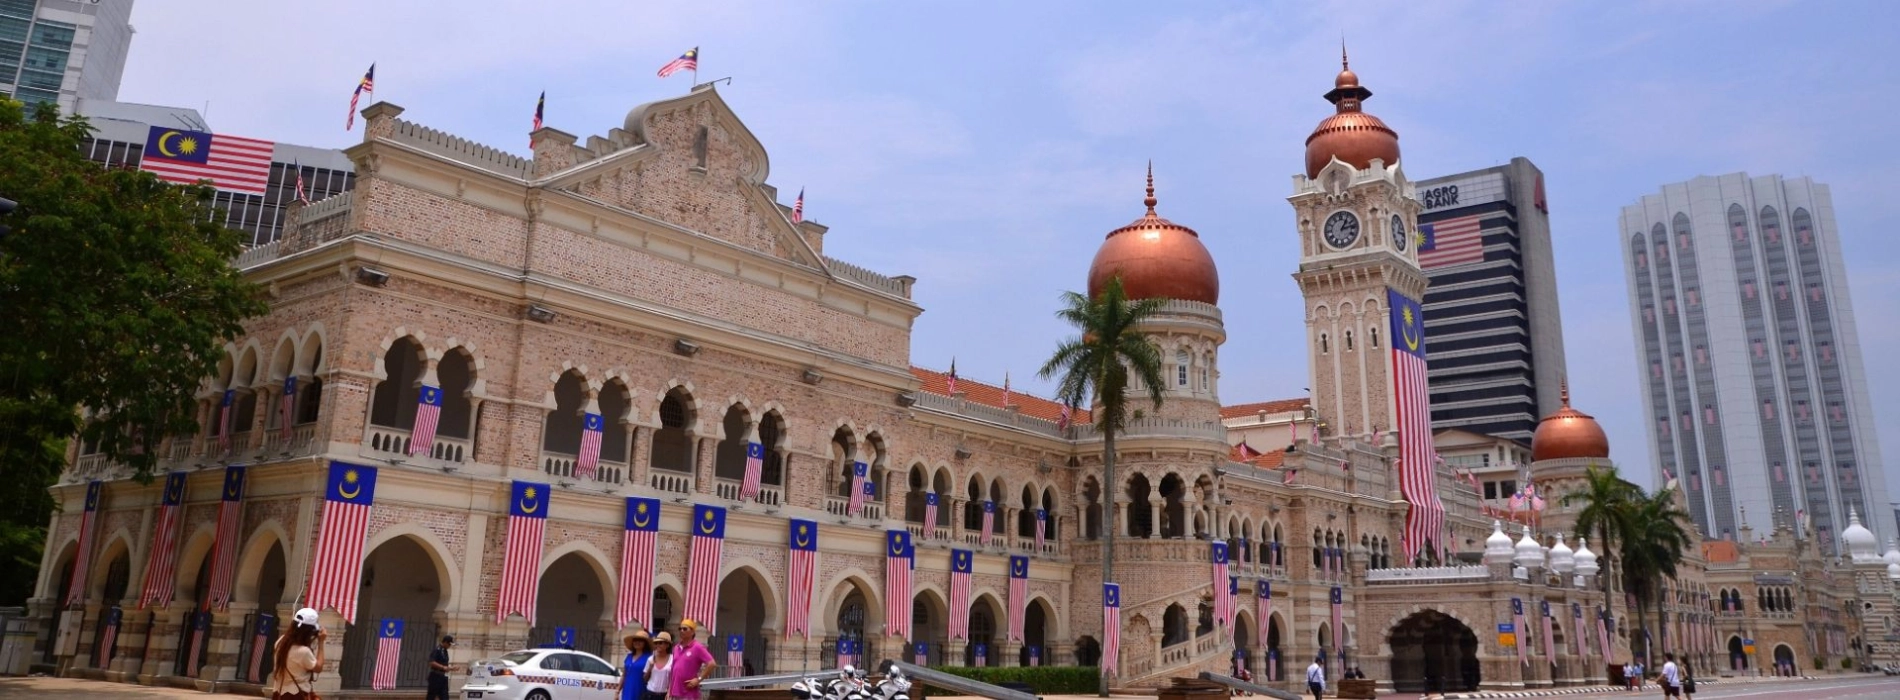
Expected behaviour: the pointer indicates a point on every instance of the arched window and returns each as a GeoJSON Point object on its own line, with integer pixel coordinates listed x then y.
{"type": "Point", "coordinates": [1373, 335]}
{"type": "Point", "coordinates": [1181, 362]}
{"type": "Point", "coordinates": [699, 149]}
{"type": "Point", "coordinates": [672, 446]}
{"type": "Point", "coordinates": [1323, 349]}
{"type": "Point", "coordinates": [844, 449]}
{"type": "Point", "coordinates": [1207, 363]}
{"type": "Point", "coordinates": [1348, 341]}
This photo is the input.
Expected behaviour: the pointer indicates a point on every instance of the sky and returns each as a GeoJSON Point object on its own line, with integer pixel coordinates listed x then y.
{"type": "Point", "coordinates": [987, 147]}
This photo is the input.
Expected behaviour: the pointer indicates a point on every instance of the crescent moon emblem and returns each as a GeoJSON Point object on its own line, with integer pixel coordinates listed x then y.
{"type": "Point", "coordinates": [802, 540]}
{"type": "Point", "coordinates": [345, 491]}
{"type": "Point", "coordinates": [165, 150]}
{"type": "Point", "coordinates": [706, 525]}
{"type": "Point", "coordinates": [1411, 340]}
{"type": "Point", "coordinates": [527, 506]}
{"type": "Point", "coordinates": [641, 520]}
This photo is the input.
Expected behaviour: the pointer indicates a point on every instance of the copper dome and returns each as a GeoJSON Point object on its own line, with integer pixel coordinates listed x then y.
{"type": "Point", "coordinates": [1569, 433]}
{"type": "Point", "coordinates": [1350, 135]}
{"type": "Point", "coordinates": [1156, 259]}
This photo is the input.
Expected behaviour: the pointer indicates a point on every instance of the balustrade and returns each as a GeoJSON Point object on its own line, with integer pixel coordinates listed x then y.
{"type": "Point", "coordinates": [391, 440]}
{"type": "Point", "coordinates": [1177, 654]}
{"type": "Point", "coordinates": [1423, 574]}
{"type": "Point", "coordinates": [670, 481]}
{"type": "Point", "coordinates": [841, 506]}
{"type": "Point", "coordinates": [180, 449]}
{"type": "Point", "coordinates": [728, 489]}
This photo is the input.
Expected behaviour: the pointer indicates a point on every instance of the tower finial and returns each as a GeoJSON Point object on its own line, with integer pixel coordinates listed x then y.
{"type": "Point", "coordinates": [1343, 64]}
{"type": "Point", "coordinates": [1150, 201]}
{"type": "Point", "coordinates": [1564, 390]}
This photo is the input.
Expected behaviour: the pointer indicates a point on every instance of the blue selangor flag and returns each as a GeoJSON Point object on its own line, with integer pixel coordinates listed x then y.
{"type": "Point", "coordinates": [709, 521]}
{"type": "Point", "coordinates": [735, 642]}
{"type": "Point", "coordinates": [1408, 323]}
{"type": "Point", "coordinates": [352, 484]}
{"type": "Point", "coordinates": [233, 484]}
{"type": "Point", "coordinates": [804, 535]}
{"type": "Point", "coordinates": [960, 561]}
{"type": "Point", "coordinates": [265, 624]}
{"type": "Point", "coordinates": [390, 629]}
{"type": "Point", "coordinates": [528, 499]}
{"type": "Point", "coordinates": [860, 469]}
{"type": "Point", "coordinates": [643, 514]}
{"type": "Point", "coordinates": [1338, 596]}
{"type": "Point", "coordinates": [920, 648]}
{"type": "Point", "coordinates": [1233, 585]}
{"type": "Point", "coordinates": [115, 616]}
{"type": "Point", "coordinates": [870, 488]}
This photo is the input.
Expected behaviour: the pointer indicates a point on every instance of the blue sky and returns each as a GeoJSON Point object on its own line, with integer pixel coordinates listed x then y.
{"type": "Point", "coordinates": [986, 148]}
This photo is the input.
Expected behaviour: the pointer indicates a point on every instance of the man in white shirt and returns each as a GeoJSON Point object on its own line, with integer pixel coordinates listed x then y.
{"type": "Point", "coordinates": [1316, 679]}
{"type": "Point", "coordinates": [1671, 677]}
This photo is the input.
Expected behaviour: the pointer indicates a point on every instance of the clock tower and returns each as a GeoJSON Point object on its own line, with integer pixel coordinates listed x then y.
{"type": "Point", "coordinates": [1357, 217]}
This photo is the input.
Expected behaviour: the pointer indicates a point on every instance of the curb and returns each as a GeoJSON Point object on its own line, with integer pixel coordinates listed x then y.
{"type": "Point", "coordinates": [1578, 690]}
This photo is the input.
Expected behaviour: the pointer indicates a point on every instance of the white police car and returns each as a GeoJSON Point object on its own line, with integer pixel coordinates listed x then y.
{"type": "Point", "coordinates": [542, 674]}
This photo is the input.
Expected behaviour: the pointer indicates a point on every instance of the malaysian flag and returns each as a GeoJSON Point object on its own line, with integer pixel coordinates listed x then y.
{"type": "Point", "coordinates": [1233, 601]}
{"type": "Point", "coordinates": [982, 653]}
{"type": "Point", "coordinates": [539, 106]}
{"type": "Point", "coordinates": [1417, 483]}
{"type": "Point", "coordinates": [930, 515]}
{"type": "Point", "coordinates": [754, 470]}
{"type": "Point", "coordinates": [1523, 632]}
{"type": "Point", "coordinates": [1550, 650]}
{"type": "Point", "coordinates": [638, 552]}
{"type": "Point", "coordinates": [1042, 527]}
{"type": "Point", "coordinates": [1576, 627]}
{"type": "Point", "coordinates": [303, 196]}
{"type": "Point", "coordinates": [702, 574]}
{"type": "Point", "coordinates": [287, 408]}
{"type": "Point", "coordinates": [160, 567]}
{"type": "Point", "coordinates": [798, 207]}
{"type": "Point", "coordinates": [1006, 390]}
{"type": "Point", "coordinates": [194, 654]}
{"type": "Point", "coordinates": [185, 157]}
{"type": "Point", "coordinates": [686, 61]}
{"type": "Point", "coordinates": [521, 566]}
{"type": "Point", "coordinates": [1273, 664]}
{"type": "Point", "coordinates": [1263, 607]}
{"type": "Point", "coordinates": [802, 576]}
{"type": "Point", "coordinates": [428, 414]}
{"type": "Point", "coordinates": [1453, 241]}
{"type": "Point", "coordinates": [1339, 633]}
{"type": "Point", "coordinates": [859, 471]}
{"type": "Point", "coordinates": [735, 653]}
{"type": "Point", "coordinates": [1111, 628]}
{"type": "Point", "coordinates": [109, 637]}
{"type": "Point", "coordinates": [988, 533]}
{"type": "Point", "coordinates": [899, 559]}
{"type": "Point", "coordinates": [388, 654]}
{"type": "Point", "coordinates": [367, 84]}
{"type": "Point", "coordinates": [844, 652]}
{"type": "Point", "coordinates": [593, 426]}
{"type": "Point", "coordinates": [564, 637]}
{"type": "Point", "coordinates": [961, 565]}
{"type": "Point", "coordinates": [920, 653]}
{"type": "Point", "coordinates": [224, 553]}
{"type": "Point", "coordinates": [951, 378]}
{"type": "Point", "coordinates": [1018, 595]}
{"type": "Point", "coordinates": [338, 568]}
{"type": "Point", "coordinates": [260, 640]}
{"type": "Point", "coordinates": [1035, 655]}
{"type": "Point", "coordinates": [1062, 419]}
{"type": "Point", "coordinates": [226, 417]}
{"type": "Point", "coordinates": [1223, 603]}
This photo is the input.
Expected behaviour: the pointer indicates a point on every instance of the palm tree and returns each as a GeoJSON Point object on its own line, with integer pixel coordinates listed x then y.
{"type": "Point", "coordinates": [1098, 363]}
{"type": "Point", "coordinates": [1605, 498]}
{"type": "Point", "coordinates": [1655, 536]}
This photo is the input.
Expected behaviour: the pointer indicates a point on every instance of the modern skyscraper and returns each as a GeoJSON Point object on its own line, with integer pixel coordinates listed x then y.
{"type": "Point", "coordinates": [63, 50]}
{"type": "Point", "coordinates": [1750, 361]}
{"type": "Point", "coordinates": [1494, 337]}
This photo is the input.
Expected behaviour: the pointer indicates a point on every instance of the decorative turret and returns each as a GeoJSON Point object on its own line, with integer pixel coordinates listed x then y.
{"type": "Point", "coordinates": [1497, 547]}
{"type": "Point", "coordinates": [1586, 559]}
{"type": "Point", "coordinates": [1530, 554]}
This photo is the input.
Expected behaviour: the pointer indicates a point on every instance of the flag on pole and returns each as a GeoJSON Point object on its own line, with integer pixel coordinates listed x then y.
{"type": "Point", "coordinates": [1005, 389]}
{"type": "Point", "coordinates": [988, 533]}
{"type": "Point", "coordinates": [1550, 648]}
{"type": "Point", "coordinates": [260, 640]}
{"type": "Point", "coordinates": [1339, 632]}
{"type": "Point", "coordinates": [1417, 482]}
{"type": "Point", "coordinates": [161, 566]}
{"type": "Point", "coordinates": [428, 414]}
{"type": "Point", "coordinates": [1523, 632]}
{"type": "Point", "coordinates": [961, 564]}
{"type": "Point", "coordinates": [1042, 527]}
{"type": "Point", "coordinates": [1223, 603]}
{"type": "Point", "coordinates": [798, 207]}
{"type": "Point", "coordinates": [388, 654]}
{"type": "Point", "coordinates": [528, 504]}
{"type": "Point", "coordinates": [593, 429]}
{"type": "Point", "coordinates": [1111, 628]}
{"type": "Point", "coordinates": [638, 554]}
{"type": "Point", "coordinates": [1062, 419]}
{"type": "Point", "coordinates": [702, 575]}
{"type": "Point", "coordinates": [367, 84]}
{"type": "Point", "coordinates": [224, 552]}
{"type": "Point", "coordinates": [754, 471]}
{"type": "Point", "coordinates": [287, 407]}
{"type": "Point", "coordinates": [951, 378]}
{"type": "Point", "coordinates": [334, 577]}
{"type": "Point", "coordinates": [1018, 595]}
{"type": "Point", "coordinates": [930, 515]}
{"type": "Point", "coordinates": [226, 420]}
{"type": "Point", "coordinates": [230, 163]}
{"type": "Point", "coordinates": [539, 106]}
{"type": "Point", "coordinates": [899, 559]}
{"type": "Point", "coordinates": [859, 471]}
{"type": "Point", "coordinates": [802, 576]}
{"type": "Point", "coordinates": [302, 196]}
{"type": "Point", "coordinates": [686, 61]}
{"type": "Point", "coordinates": [735, 653]}
{"type": "Point", "coordinates": [920, 653]}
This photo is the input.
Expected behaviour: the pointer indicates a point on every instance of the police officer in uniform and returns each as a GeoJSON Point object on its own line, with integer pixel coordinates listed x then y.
{"type": "Point", "coordinates": [439, 669]}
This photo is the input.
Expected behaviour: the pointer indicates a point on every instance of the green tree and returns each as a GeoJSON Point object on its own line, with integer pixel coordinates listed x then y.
{"type": "Point", "coordinates": [1656, 533]}
{"type": "Point", "coordinates": [119, 294]}
{"type": "Point", "coordinates": [1606, 498]}
{"type": "Point", "coordinates": [1098, 363]}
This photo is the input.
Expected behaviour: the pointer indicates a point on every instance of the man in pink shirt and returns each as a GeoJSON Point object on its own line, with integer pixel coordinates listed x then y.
{"type": "Point", "coordinates": [692, 663]}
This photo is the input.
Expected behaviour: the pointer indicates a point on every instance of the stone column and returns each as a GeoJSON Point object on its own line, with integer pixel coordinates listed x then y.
{"type": "Point", "coordinates": [640, 463]}
{"type": "Point", "coordinates": [956, 506]}
{"type": "Point", "coordinates": [205, 415]}
{"type": "Point", "coordinates": [705, 450]}
{"type": "Point", "coordinates": [1121, 516]}
{"type": "Point", "coordinates": [1157, 515]}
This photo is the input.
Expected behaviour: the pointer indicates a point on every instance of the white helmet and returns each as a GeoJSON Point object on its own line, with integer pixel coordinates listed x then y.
{"type": "Point", "coordinates": [306, 617]}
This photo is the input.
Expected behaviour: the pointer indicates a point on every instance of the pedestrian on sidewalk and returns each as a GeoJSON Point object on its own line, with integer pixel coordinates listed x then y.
{"type": "Point", "coordinates": [692, 663]}
{"type": "Point", "coordinates": [659, 671]}
{"type": "Point", "coordinates": [299, 658]}
{"type": "Point", "coordinates": [1671, 677]}
{"type": "Point", "coordinates": [1316, 678]}
{"type": "Point", "coordinates": [439, 669]}
{"type": "Point", "coordinates": [1688, 679]}
{"type": "Point", "coordinates": [634, 666]}
{"type": "Point", "coordinates": [1629, 676]}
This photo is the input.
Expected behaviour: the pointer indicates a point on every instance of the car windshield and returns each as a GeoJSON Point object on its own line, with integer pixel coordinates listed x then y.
{"type": "Point", "coordinates": [518, 657]}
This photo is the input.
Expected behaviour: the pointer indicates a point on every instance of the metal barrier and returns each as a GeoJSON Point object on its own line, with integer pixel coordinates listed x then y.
{"type": "Point", "coordinates": [756, 681]}
{"type": "Point", "coordinates": [959, 684]}
{"type": "Point", "coordinates": [1238, 684]}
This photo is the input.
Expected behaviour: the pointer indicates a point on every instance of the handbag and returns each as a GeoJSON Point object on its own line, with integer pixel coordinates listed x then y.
{"type": "Point", "coordinates": [1688, 685]}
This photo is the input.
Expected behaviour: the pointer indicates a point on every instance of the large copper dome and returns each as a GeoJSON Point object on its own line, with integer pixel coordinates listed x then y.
{"type": "Point", "coordinates": [1156, 259]}
{"type": "Point", "coordinates": [1569, 433]}
{"type": "Point", "coordinates": [1350, 135]}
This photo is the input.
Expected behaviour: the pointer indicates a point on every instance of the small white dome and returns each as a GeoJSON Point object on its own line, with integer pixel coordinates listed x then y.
{"type": "Point", "coordinates": [1893, 572]}
{"type": "Point", "coordinates": [1497, 547]}
{"type": "Point", "coordinates": [1530, 554]}
{"type": "Point", "coordinates": [1861, 544]}
{"type": "Point", "coordinates": [1893, 552]}
{"type": "Point", "coordinates": [1561, 558]}
{"type": "Point", "coordinates": [1586, 559]}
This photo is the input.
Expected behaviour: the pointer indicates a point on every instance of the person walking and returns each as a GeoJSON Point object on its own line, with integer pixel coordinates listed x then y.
{"type": "Point", "coordinates": [299, 658]}
{"type": "Point", "coordinates": [1629, 676]}
{"type": "Point", "coordinates": [692, 663]}
{"type": "Point", "coordinates": [439, 668]}
{"type": "Point", "coordinates": [1316, 678]}
{"type": "Point", "coordinates": [659, 670]}
{"type": "Point", "coordinates": [633, 669]}
{"type": "Point", "coordinates": [1688, 679]}
{"type": "Point", "coordinates": [1671, 677]}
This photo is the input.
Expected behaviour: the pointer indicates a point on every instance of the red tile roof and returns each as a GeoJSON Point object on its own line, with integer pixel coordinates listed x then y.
{"type": "Point", "coordinates": [977, 392]}
{"type": "Point", "coordinates": [1249, 409]}
{"type": "Point", "coordinates": [1720, 551]}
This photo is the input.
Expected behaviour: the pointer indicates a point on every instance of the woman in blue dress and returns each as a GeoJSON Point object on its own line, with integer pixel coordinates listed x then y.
{"type": "Point", "coordinates": [634, 668]}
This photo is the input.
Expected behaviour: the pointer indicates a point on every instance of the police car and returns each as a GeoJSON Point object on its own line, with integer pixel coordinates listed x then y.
{"type": "Point", "coordinates": [542, 674]}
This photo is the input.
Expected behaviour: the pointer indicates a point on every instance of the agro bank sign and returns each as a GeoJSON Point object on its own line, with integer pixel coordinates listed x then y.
{"type": "Point", "coordinates": [1452, 193]}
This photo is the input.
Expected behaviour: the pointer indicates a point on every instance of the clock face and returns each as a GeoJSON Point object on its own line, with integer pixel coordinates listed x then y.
{"type": "Point", "coordinates": [1342, 228]}
{"type": "Point", "coordinates": [1399, 236]}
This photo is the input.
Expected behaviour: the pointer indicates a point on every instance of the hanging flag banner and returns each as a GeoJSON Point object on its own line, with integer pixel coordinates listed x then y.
{"type": "Point", "coordinates": [801, 576]}
{"type": "Point", "coordinates": [638, 554]}
{"type": "Point", "coordinates": [337, 572]}
{"type": "Point", "coordinates": [528, 504]}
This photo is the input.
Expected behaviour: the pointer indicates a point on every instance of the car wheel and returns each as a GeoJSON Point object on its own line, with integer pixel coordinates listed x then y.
{"type": "Point", "coordinates": [538, 695]}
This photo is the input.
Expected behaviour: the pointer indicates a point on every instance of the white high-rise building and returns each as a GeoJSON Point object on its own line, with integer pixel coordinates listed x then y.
{"type": "Point", "coordinates": [1750, 362]}
{"type": "Point", "coordinates": [63, 50]}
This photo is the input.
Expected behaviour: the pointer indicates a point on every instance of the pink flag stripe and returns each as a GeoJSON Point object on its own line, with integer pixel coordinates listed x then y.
{"type": "Point", "coordinates": [160, 572]}
{"type": "Point", "coordinates": [959, 605]}
{"type": "Point", "coordinates": [702, 585]}
{"type": "Point", "coordinates": [388, 657]}
{"type": "Point", "coordinates": [224, 554]}
{"type": "Point", "coordinates": [338, 570]}
{"type": "Point", "coordinates": [804, 572]}
{"type": "Point", "coordinates": [521, 568]}
{"type": "Point", "coordinates": [82, 561]}
{"type": "Point", "coordinates": [1454, 242]}
{"type": "Point", "coordinates": [635, 602]}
